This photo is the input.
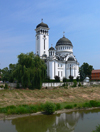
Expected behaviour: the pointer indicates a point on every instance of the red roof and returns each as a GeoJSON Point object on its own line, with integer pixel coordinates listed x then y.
{"type": "Point", "coordinates": [95, 71]}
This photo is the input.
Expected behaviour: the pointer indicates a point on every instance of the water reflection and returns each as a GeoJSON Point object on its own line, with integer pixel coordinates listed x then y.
{"type": "Point", "coordinates": [48, 123]}
{"type": "Point", "coordinates": [66, 122]}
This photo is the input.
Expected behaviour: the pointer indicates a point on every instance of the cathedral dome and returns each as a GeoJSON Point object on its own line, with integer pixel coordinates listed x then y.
{"type": "Point", "coordinates": [42, 25]}
{"type": "Point", "coordinates": [64, 41]}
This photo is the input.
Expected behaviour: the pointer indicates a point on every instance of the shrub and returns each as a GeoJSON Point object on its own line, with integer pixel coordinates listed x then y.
{"type": "Point", "coordinates": [75, 105]}
{"type": "Point", "coordinates": [1, 86]}
{"type": "Point", "coordinates": [64, 79]}
{"type": "Point", "coordinates": [57, 78]}
{"type": "Point", "coordinates": [71, 78]}
{"type": "Point", "coordinates": [85, 105]}
{"type": "Point", "coordinates": [68, 107]}
{"type": "Point", "coordinates": [58, 106]}
{"type": "Point", "coordinates": [94, 103]}
{"type": "Point", "coordinates": [75, 83]}
{"type": "Point", "coordinates": [79, 84]}
{"type": "Point", "coordinates": [6, 86]}
{"type": "Point", "coordinates": [49, 108]}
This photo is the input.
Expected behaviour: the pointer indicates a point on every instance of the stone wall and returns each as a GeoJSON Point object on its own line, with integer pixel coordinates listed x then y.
{"type": "Point", "coordinates": [57, 84]}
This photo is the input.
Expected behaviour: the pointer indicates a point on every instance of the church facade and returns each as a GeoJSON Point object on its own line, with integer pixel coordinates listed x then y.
{"type": "Point", "coordinates": [60, 60]}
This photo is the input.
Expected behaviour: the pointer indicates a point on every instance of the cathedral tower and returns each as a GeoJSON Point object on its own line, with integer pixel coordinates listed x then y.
{"type": "Point", "coordinates": [42, 39]}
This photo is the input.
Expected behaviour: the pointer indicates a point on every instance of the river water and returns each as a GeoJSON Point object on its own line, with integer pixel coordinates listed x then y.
{"type": "Point", "coordinates": [80, 121]}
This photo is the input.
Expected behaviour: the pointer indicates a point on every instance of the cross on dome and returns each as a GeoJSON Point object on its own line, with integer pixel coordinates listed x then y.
{"type": "Point", "coordinates": [42, 20]}
{"type": "Point", "coordinates": [63, 34]}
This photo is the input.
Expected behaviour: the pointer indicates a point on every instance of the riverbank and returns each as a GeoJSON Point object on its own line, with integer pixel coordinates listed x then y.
{"type": "Point", "coordinates": [19, 102]}
{"type": "Point", "coordinates": [14, 116]}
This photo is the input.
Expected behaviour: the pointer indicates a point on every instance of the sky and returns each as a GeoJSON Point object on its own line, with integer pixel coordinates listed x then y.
{"type": "Point", "coordinates": [80, 20]}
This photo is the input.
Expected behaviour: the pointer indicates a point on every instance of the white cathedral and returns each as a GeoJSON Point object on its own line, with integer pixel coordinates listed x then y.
{"type": "Point", "coordinates": [60, 60]}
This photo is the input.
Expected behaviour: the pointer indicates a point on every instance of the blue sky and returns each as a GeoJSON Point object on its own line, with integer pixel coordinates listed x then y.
{"type": "Point", "coordinates": [79, 19]}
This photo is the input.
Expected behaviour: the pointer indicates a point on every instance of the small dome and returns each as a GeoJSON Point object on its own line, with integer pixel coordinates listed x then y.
{"type": "Point", "coordinates": [42, 25]}
{"type": "Point", "coordinates": [51, 48]}
{"type": "Point", "coordinates": [64, 41]}
{"type": "Point", "coordinates": [71, 59]}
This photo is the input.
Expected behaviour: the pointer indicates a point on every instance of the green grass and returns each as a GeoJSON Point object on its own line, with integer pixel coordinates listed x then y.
{"type": "Point", "coordinates": [48, 107]}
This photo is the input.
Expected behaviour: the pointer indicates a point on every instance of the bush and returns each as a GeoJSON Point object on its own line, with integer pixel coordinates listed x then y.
{"type": "Point", "coordinates": [6, 86]}
{"type": "Point", "coordinates": [68, 107]}
{"type": "Point", "coordinates": [57, 78]}
{"type": "Point", "coordinates": [75, 83]}
{"type": "Point", "coordinates": [94, 103]}
{"type": "Point", "coordinates": [75, 105]}
{"type": "Point", "coordinates": [86, 105]}
{"type": "Point", "coordinates": [49, 108]}
{"type": "Point", "coordinates": [71, 78]}
{"type": "Point", "coordinates": [1, 86]}
{"type": "Point", "coordinates": [58, 106]}
{"type": "Point", "coordinates": [64, 79]}
{"type": "Point", "coordinates": [79, 84]}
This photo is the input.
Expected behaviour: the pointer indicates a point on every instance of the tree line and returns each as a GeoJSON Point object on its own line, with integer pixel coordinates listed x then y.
{"type": "Point", "coordinates": [30, 71]}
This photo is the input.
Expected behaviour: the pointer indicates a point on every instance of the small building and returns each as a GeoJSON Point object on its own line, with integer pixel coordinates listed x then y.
{"type": "Point", "coordinates": [95, 75]}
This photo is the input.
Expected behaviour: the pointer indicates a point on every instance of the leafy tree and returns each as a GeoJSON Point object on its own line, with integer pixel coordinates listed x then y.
{"type": "Point", "coordinates": [5, 74]}
{"type": "Point", "coordinates": [12, 67]}
{"type": "Point", "coordinates": [85, 70]}
{"type": "Point", "coordinates": [30, 70]}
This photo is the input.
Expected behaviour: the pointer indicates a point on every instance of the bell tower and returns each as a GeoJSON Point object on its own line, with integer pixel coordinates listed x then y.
{"type": "Point", "coordinates": [42, 39]}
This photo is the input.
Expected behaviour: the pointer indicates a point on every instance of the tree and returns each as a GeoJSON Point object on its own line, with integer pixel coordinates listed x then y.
{"type": "Point", "coordinates": [85, 70]}
{"type": "Point", "coordinates": [30, 70]}
{"type": "Point", "coordinates": [5, 74]}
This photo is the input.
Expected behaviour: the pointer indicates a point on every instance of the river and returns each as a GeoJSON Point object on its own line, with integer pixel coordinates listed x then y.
{"type": "Point", "coordinates": [80, 121]}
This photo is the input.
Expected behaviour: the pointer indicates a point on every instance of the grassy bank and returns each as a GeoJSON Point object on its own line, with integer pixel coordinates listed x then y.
{"type": "Point", "coordinates": [48, 107]}
{"type": "Point", "coordinates": [30, 101]}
